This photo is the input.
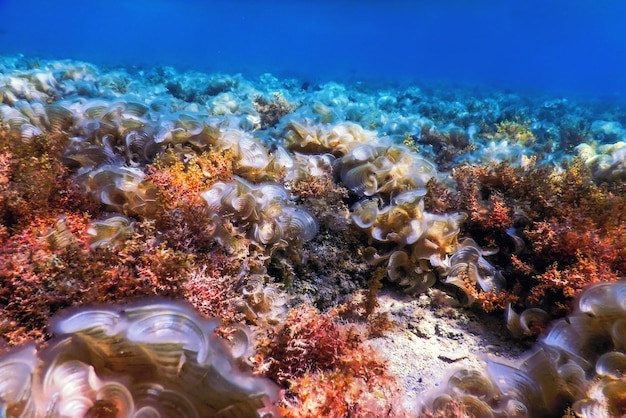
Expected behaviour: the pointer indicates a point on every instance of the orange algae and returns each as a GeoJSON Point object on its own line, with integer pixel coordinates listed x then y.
{"type": "Point", "coordinates": [179, 181]}
{"type": "Point", "coordinates": [46, 262]}
{"type": "Point", "coordinates": [213, 292]}
{"type": "Point", "coordinates": [183, 218]}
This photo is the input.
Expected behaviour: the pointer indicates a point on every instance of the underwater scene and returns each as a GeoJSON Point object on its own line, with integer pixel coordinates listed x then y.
{"type": "Point", "coordinates": [312, 209]}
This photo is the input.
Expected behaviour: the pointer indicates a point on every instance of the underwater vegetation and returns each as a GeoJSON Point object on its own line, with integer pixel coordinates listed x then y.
{"type": "Point", "coordinates": [278, 212]}
{"type": "Point", "coordinates": [558, 231]}
{"type": "Point", "coordinates": [326, 368]}
{"type": "Point", "coordinates": [156, 359]}
{"type": "Point", "coordinates": [576, 369]}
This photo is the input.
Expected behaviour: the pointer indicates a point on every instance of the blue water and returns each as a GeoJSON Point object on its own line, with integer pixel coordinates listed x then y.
{"type": "Point", "coordinates": [562, 46]}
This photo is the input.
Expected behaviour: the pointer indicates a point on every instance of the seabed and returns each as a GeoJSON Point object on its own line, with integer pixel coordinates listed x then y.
{"type": "Point", "coordinates": [189, 244]}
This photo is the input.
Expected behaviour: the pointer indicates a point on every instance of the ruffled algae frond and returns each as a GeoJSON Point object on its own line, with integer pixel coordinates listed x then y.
{"type": "Point", "coordinates": [156, 359]}
{"type": "Point", "coordinates": [578, 364]}
{"type": "Point", "coordinates": [325, 223]}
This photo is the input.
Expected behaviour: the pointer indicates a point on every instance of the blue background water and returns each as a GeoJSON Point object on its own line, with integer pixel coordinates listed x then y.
{"type": "Point", "coordinates": [565, 46]}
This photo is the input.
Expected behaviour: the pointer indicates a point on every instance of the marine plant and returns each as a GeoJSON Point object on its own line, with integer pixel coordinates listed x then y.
{"type": "Point", "coordinates": [308, 137]}
{"type": "Point", "coordinates": [577, 366]}
{"type": "Point", "coordinates": [33, 180]}
{"type": "Point", "coordinates": [380, 169]}
{"type": "Point", "coordinates": [51, 265]}
{"type": "Point", "coordinates": [120, 189]}
{"type": "Point", "coordinates": [517, 131]}
{"type": "Point", "coordinates": [119, 184]}
{"type": "Point", "coordinates": [447, 143]}
{"type": "Point", "coordinates": [111, 231]}
{"type": "Point", "coordinates": [326, 368]}
{"type": "Point", "coordinates": [607, 162]}
{"type": "Point", "coordinates": [157, 358]}
{"type": "Point", "coordinates": [262, 212]}
{"type": "Point", "coordinates": [555, 232]}
{"type": "Point", "coordinates": [420, 241]}
{"type": "Point", "coordinates": [183, 217]}
{"type": "Point", "coordinates": [272, 110]}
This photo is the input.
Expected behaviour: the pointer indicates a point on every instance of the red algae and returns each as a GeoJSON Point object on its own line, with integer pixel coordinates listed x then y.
{"type": "Point", "coordinates": [42, 273]}
{"type": "Point", "coordinates": [572, 229]}
{"type": "Point", "coordinates": [326, 368]}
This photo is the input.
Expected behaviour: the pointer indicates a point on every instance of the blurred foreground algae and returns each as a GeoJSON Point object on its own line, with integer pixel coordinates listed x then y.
{"type": "Point", "coordinates": [158, 359]}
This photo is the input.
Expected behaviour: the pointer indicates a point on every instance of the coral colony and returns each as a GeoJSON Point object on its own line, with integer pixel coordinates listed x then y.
{"type": "Point", "coordinates": [193, 245]}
